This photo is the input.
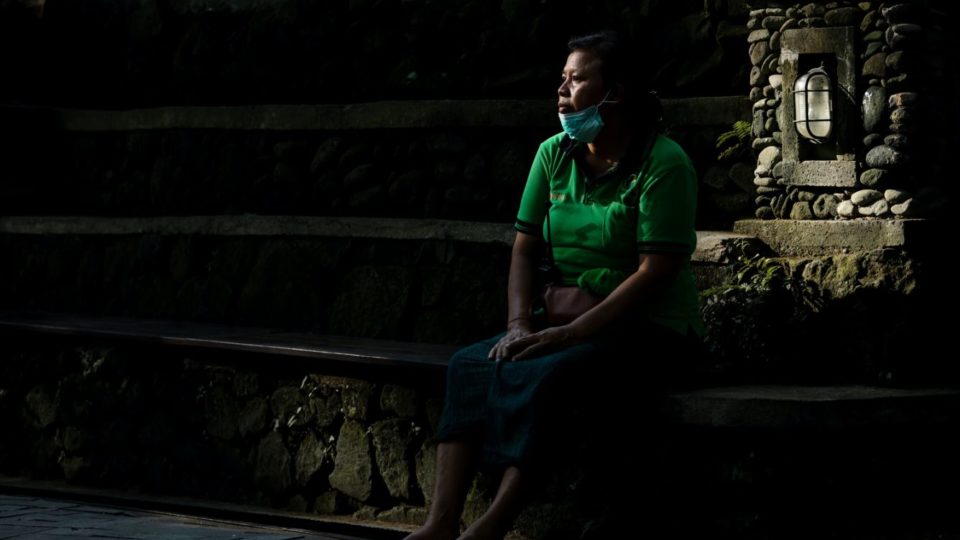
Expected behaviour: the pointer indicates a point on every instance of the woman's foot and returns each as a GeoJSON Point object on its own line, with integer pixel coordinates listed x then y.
{"type": "Point", "coordinates": [434, 532]}
{"type": "Point", "coordinates": [483, 530]}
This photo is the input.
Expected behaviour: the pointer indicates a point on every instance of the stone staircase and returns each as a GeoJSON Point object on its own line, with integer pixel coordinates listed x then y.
{"type": "Point", "coordinates": [311, 219]}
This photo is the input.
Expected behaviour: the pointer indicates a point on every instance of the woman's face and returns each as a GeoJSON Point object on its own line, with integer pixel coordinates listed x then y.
{"type": "Point", "coordinates": [581, 84]}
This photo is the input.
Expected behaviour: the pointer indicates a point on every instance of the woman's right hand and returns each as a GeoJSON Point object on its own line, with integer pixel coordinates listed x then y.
{"type": "Point", "coordinates": [514, 332]}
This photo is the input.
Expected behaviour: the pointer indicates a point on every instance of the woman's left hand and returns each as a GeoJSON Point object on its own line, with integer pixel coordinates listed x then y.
{"type": "Point", "coordinates": [539, 343]}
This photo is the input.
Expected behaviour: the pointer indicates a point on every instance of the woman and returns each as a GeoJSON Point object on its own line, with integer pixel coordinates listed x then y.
{"type": "Point", "coordinates": [614, 201]}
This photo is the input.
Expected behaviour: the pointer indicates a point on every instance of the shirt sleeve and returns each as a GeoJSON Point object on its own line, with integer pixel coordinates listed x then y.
{"type": "Point", "coordinates": [666, 212]}
{"type": "Point", "coordinates": [533, 204]}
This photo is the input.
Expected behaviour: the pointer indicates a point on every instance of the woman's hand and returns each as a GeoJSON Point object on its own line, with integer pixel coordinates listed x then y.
{"type": "Point", "coordinates": [538, 343]}
{"type": "Point", "coordinates": [514, 333]}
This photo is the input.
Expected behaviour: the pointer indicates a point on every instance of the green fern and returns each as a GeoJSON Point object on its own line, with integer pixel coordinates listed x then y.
{"type": "Point", "coordinates": [734, 143]}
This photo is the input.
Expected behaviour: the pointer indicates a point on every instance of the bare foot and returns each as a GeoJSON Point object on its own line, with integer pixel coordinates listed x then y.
{"type": "Point", "coordinates": [481, 530]}
{"type": "Point", "coordinates": [433, 532]}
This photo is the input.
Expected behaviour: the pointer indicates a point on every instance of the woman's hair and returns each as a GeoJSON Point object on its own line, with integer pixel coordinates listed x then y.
{"type": "Point", "coordinates": [619, 64]}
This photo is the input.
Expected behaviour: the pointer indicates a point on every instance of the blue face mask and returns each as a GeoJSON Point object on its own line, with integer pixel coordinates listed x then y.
{"type": "Point", "coordinates": [584, 125]}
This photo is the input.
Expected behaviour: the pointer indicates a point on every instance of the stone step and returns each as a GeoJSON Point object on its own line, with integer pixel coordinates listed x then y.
{"type": "Point", "coordinates": [416, 159]}
{"type": "Point", "coordinates": [429, 280]}
{"type": "Point", "coordinates": [712, 246]}
{"type": "Point", "coordinates": [788, 237]}
{"type": "Point", "coordinates": [792, 407]}
{"type": "Point", "coordinates": [405, 114]}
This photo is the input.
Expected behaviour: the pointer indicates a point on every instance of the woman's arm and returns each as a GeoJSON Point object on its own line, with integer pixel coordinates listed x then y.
{"type": "Point", "coordinates": [523, 267]}
{"type": "Point", "coordinates": [653, 274]}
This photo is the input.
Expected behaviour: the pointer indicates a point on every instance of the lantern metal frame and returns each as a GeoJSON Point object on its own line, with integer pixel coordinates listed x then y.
{"type": "Point", "coordinates": [801, 92]}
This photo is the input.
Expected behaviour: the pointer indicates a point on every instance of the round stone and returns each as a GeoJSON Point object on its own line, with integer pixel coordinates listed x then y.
{"type": "Point", "coordinates": [897, 141]}
{"type": "Point", "coordinates": [825, 206]}
{"type": "Point", "coordinates": [846, 209]}
{"type": "Point", "coordinates": [813, 10]}
{"type": "Point", "coordinates": [801, 210]}
{"type": "Point", "coordinates": [761, 143]}
{"type": "Point", "coordinates": [880, 208]}
{"type": "Point", "coordinates": [898, 61]}
{"type": "Point", "coordinates": [883, 156]}
{"type": "Point", "coordinates": [773, 23]}
{"type": "Point", "coordinates": [764, 212]}
{"type": "Point", "coordinates": [895, 196]}
{"type": "Point", "coordinates": [901, 116]}
{"type": "Point", "coordinates": [866, 23]}
{"type": "Point", "coordinates": [847, 16]}
{"type": "Point", "coordinates": [903, 209]}
{"type": "Point", "coordinates": [872, 48]}
{"type": "Point", "coordinates": [873, 178]}
{"type": "Point", "coordinates": [764, 181]}
{"type": "Point", "coordinates": [902, 128]}
{"type": "Point", "coordinates": [768, 190]}
{"type": "Point", "coordinates": [902, 99]}
{"type": "Point", "coordinates": [900, 13]}
{"type": "Point", "coordinates": [781, 206]}
{"type": "Point", "coordinates": [769, 157]}
{"type": "Point", "coordinates": [759, 51]}
{"type": "Point", "coordinates": [758, 35]}
{"type": "Point", "coordinates": [776, 81]}
{"type": "Point", "coordinates": [897, 84]}
{"type": "Point", "coordinates": [875, 66]}
{"type": "Point", "coordinates": [873, 106]}
{"type": "Point", "coordinates": [865, 197]}
{"type": "Point", "coordinates": [775, 41]}
{"type": "Point", "coordinates": [872, 140]}
{"type": "Point", "coordinates": [790, 23]}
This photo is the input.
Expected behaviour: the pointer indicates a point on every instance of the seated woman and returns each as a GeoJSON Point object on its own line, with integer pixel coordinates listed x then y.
{"type": "Point", "coordinates": [613, 201]}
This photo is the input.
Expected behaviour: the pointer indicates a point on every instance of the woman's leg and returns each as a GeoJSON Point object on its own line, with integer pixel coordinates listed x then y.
{"type": "Point", "coordinates": [511, 498]}
{"type": "Point", "coordinates": [459, 432]}
{"type": "Point", "coordinates": [456, 465]}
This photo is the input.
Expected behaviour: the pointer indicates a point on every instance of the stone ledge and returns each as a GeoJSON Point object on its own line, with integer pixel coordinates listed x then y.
{"type": "Point", "coordinates": [318, 348]}
{"type": "Point", "coordinates": [781, 406]}
{"type": "Point", "coordinates": [698, 111]}
{"type": "Point", "coordinates": [808, 237]}
{"type": "Point", "coordinates": [711, 245]}
{"type": "Point", "coordinates": [758, 406]}
{"type": "Point", "coordinates": [254, 225]}
{"type": "Point", "coordinates": [715, 246]}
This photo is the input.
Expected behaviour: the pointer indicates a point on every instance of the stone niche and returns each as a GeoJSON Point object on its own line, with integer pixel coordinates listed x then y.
{"type": "Point", "coordinates": [889, 94]}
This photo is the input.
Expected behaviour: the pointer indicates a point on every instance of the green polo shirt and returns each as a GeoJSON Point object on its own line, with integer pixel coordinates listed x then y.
{"type": "Point", "coordinates": [599, 226]}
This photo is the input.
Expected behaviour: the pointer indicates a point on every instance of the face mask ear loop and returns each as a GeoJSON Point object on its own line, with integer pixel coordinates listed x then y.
{"type": "Point", "coordinates": [605, 98]}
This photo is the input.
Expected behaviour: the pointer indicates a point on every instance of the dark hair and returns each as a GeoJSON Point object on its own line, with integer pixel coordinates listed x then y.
{"type": "Point", "coordinates": [620, 64]}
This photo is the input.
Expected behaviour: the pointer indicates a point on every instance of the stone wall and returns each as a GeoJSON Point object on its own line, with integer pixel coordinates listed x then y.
{"type": "Point", "coordinates": [232, 427]}
{"type": "Point", "coordinates": [169, 421]}
{"type": "Point", "coordinates": [427, 290]}
{"type": "Point", "coordinates": [868, 317]}
{"type": "Point", "coordinates": [467, 173]}
{"type": "Point", "coordinates": [240, 428]}
{"type": "Point", "coordinates": [903, 133]}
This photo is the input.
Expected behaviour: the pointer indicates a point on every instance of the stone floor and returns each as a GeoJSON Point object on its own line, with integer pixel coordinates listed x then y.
{"type": "Point", "coordinates": [36, 518]}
